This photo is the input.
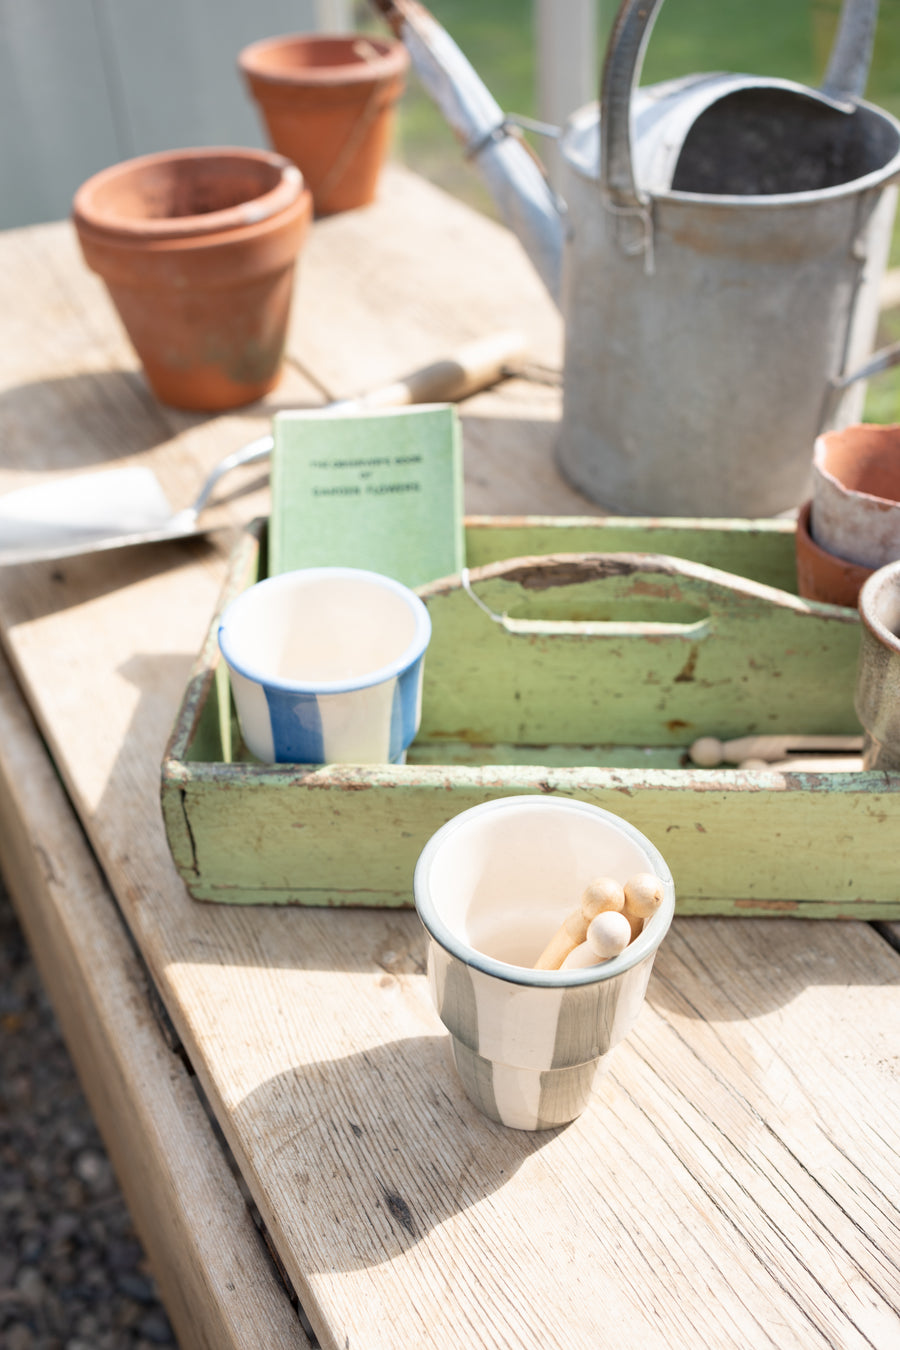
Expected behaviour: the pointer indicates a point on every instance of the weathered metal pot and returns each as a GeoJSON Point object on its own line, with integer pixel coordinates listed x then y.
{"type": "Point", "coordinates": [878, 678]}
{"type": "Point", "coordinates": [856, 493]}
{"type": "Point", "coordinates": [717, 261]}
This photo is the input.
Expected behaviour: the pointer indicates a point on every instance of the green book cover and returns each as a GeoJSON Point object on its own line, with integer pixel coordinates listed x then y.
{"type": "Point", "coordinates": [376, 489]}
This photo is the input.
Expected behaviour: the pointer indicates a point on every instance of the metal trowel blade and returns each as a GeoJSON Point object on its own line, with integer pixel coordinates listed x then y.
{"type": "Point", "coordinates": [96, 510]}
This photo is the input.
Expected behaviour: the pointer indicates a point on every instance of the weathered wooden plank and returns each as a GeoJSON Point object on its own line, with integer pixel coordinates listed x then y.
{"type": "Point", "coordinates": [397, 285]}
{"type": "Point", "coordinates": [713, 1195]}
{"type": "Point", "coordinates": [731, 838]}
{"type": "Point", "coordinates": [217, 1280]}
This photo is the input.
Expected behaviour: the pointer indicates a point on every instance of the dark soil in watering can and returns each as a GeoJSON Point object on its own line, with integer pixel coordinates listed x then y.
{"type": "Point", "coordinates": [764, 142]}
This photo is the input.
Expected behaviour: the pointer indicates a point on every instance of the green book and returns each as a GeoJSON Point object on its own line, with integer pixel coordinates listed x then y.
{"type": "Point", "coordinates": [376, 489]}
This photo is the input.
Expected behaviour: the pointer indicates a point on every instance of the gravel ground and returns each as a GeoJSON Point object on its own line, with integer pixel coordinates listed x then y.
{"type": "Point", "coordinates": [73, 1275]}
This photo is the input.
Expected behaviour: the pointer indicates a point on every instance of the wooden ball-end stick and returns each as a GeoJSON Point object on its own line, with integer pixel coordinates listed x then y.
{"type": "Point", "coordinates": [570, 934]}
{"type": "Point", "coordinates": [600, 895]}
{"type": "Point", "coordinates": [708, 751]}
{"type": "Point", "coordinates": [643, 897]}
{"type": "Point", "coordinates": [608, 934]}
{"type": "Point", "coordinates": [580, 958]}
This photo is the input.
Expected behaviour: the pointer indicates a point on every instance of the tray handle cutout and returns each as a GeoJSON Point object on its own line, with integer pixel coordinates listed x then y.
{"type": "Point", "coordinates": [646, 585]}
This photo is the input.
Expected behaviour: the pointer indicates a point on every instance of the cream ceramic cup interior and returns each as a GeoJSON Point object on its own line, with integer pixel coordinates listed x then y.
{"type": "Point", "coordinates": [320, 629]}
{"type": "Point", "coordinates": [497, 881]}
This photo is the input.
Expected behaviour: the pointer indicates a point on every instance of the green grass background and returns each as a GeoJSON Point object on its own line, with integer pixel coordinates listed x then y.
{"type": "Point", "coordinates": [790, 38]}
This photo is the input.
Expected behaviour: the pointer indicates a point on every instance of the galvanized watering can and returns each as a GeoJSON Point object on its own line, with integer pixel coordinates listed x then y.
{"type": "Point", "coordinates": [717, 256]}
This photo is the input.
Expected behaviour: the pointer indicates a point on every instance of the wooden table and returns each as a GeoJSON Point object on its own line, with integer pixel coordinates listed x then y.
{"type": "Point", "coordinates": [735, 1181]}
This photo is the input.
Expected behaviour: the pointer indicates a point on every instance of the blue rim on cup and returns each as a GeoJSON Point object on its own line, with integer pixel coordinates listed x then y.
{"type": "Point", "coordinates": [326, 666]}
{"type": "Point", "coordinates": [491, 886]}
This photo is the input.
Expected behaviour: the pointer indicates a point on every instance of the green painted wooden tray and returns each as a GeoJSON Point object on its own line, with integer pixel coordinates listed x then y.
{"type": "Point", "coordinates": [583, 659]}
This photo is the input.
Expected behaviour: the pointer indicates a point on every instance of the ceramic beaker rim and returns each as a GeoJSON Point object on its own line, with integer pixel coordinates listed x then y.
{"type": "Point", "coordinates": [643, 946]}
{"type": "Point", "coordinates": [310, 576]}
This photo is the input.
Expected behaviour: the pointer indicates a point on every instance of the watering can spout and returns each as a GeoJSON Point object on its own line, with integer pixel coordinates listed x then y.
{"type": "Point", "coordinates": [512, 173]}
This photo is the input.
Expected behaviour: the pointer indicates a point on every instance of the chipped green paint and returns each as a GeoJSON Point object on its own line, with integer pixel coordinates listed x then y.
{"type": "Point", "coordinates": [630, 649]}
{"type": "Point", "coordinates": [616, 662]}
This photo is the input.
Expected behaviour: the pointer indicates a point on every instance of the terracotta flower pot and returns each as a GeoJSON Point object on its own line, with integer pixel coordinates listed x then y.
{"type": "Point", "coordinates": [328, 104]}
{"type": "Point", "coordinates": [197, 249]}
{"type": "Point", "coordinates": [822, 575]}
{"type": "Point", "coordinates": [856, 493]}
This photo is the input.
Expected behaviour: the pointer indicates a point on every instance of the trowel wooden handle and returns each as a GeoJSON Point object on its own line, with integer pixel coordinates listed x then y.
{"type": "Point", "coordinates": [475, 366]}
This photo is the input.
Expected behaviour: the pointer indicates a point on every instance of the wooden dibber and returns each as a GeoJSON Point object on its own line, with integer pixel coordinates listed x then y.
{"type": "Point", "coordinates": [609, 917]}
{"type": "Point", "coordinates": [601, 895]}
{"type": "Point", "coordinates": [608, 935]}
{"type": "Point", "coordinates": [709, 751]}
{"type": "Point", "coordinates": [643, 897]}
{"type": "Point", "coordinates": [808, 764]}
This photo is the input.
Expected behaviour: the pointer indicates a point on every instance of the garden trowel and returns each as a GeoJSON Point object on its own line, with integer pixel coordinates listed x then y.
{"type": "Point", "coordinates": [114, 508]}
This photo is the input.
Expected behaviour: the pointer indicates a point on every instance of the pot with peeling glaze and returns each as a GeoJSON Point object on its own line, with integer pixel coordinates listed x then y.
{"type": "Point", "coordinates": [856, 494]}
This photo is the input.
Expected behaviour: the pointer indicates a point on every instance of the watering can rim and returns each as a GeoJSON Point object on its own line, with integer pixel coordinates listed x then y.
{"type": "Point", "coordinates": [844, 81]}
{"type": "Point", "coordinates": [588, 118]}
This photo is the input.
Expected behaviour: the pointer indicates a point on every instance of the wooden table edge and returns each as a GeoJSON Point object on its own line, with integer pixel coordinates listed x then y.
{"type": "Point", "coordinates": [216, 1279]}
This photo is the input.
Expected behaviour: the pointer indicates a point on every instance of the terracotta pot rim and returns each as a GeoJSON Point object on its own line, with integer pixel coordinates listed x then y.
{"type": "Point", "coordinates": [309, 100]}
{"type": "Point", "coordinates": [287, 190]}
{"type": "Point", "coordinates": [392, 61]}
{"type": "Point", "coordinates": [123, 245]}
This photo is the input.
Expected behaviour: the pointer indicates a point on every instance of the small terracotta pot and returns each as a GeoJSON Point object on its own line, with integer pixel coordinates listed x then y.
{"type": "Point", "coordinates": [328, 104]}
{"type": "Point", "coordinates": [856, 493]}
{"type": "Point", "coordinates": [197, 249]}
{"type": "Point", "coordinates": [822, 575]}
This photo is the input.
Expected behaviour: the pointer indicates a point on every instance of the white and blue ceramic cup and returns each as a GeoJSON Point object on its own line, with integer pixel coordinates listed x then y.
{"type": "Point", "coordinates": [491, 887]}
{"type": "Point", "coordinates": [326, 666]}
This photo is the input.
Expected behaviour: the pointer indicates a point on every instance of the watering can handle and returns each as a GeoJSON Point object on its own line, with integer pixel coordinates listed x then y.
{"type": "Point", "coordinates": [845, 80]}
{"type": "Point", "coordinates": [848, 67]}
{"type": "Point", "coordinates": [621, 72]}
